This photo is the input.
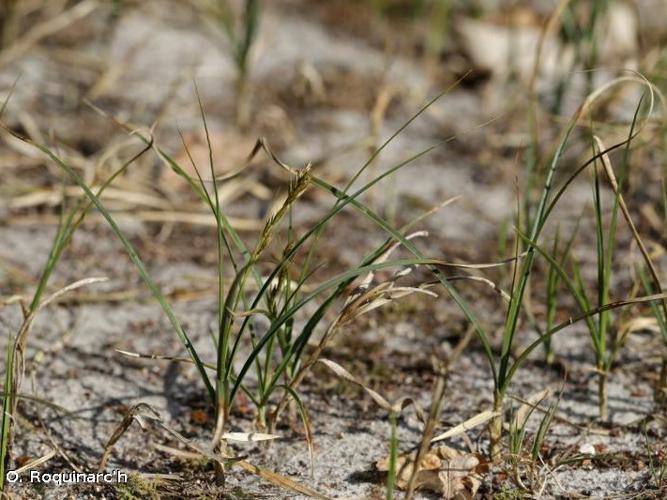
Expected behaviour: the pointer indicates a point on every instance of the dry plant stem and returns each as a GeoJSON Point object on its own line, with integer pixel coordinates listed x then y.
{"type": "Point", "coordinates": [9, 22]}
{"type": "Point", "coordinates": [436, 405]}
{"type": "Point", "coordinates": [22, 336]}
{"type": "Point", "coordinates": [377, 117]}
{"type": "Point", "coordinates": [549, 27]}
{"type": "Point", "coordinates": [662, 382]}
{"type": "Point", "coordinates": [437, 398]}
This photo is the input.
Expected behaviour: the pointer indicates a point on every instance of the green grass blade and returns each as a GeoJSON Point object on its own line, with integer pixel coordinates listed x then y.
{"type": "Point", "coordinates": [574, 286]}
{"type": "Point", "coordinates": [134, 256]}
{"type": "Point", "coordinates": [521, 358]}
{"type": "Point", "coordinates": [7, 404]}
{"type": "Point", "coordinates": [539, 220]}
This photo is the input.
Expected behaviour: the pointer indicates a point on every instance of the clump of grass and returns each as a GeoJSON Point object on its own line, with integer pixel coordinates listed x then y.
{"type": "Point", "coordinates": [525, 447]}
{"type": "Point", "coordinates": [505, 369]}
{"type": "Point", "coordinates": [279, 358]}
{"type": "Point", "coordinates": [605, 346]}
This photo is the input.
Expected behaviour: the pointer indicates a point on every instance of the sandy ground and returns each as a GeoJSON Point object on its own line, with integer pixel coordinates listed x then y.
{"type": "Point", "coordinates": [151, 59]}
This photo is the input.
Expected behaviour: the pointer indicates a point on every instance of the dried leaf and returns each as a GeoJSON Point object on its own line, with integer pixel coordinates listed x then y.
{"type": "Point", "coordinates": [443, 470]}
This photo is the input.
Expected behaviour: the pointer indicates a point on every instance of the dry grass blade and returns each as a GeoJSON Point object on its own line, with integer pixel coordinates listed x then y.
{"type": "Point", "coordinates": [22, 336]}
{"type": "Point", "coordinates": [480, 279]}
{"type": "Point", "coordinates": [478, 419]}
{"type": "Point", "coordinates": [134, 413]}
{"type": "Point", "coordinates": [523, 413]}
{"type": "Point", "coordinates": [53, 197]}
{"type": "Point", "coordinates": [279, 480]}
{"type": "Point", "coordinates": [32, 464]}
{"type": "Point", "coordinates": [379, 296]}
{"type": "Point", "coordinates": [368, 279]}
{"type": "Point", "coordinates": [609, 171]}
{"type": "Point", "coordinates": [160, 357]}
{"type": "Point", "coordinates": [345, 375]}
{"type": "Point", "coordinates": [399, 405]}
{"type": "Point", "coordinates": [248, 437]}
{"type": "Point", "coordinates": [197, 218]}
{"type": "Point", "coordinates": [69, 288]}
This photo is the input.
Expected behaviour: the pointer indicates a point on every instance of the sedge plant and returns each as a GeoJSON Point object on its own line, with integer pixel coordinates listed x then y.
{"type": "Point", "coordinates": [502, 367]}
{"type": "Point", "coordinates": [506, 367]}
{"type": "Point", "coordinates": [277, 356]}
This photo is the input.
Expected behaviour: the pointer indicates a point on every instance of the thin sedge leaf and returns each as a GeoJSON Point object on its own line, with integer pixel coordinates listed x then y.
{"type": "Point", "coordinates": [70, 225]}
{"type": "Point", "coordinates": [521, 358]}
{"type": "Point", "coordinates": [379, 150]}
{"type": "Point", "coordinates": [134, 256]}
{"type": "Point", "coordinates": [545, 423]}
{"type": "Point", "coordinates": [305, 419]}
{"type": "Point", "coordinates": [516, 303]}
{"type": "Point", "coordinates": [573, 286]}
{"type": "Point", "coordinates": [7, 405]}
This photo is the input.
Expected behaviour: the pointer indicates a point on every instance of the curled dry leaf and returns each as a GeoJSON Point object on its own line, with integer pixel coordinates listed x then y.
{"type": "Point", "coordinates": [443, 470]}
